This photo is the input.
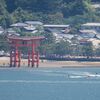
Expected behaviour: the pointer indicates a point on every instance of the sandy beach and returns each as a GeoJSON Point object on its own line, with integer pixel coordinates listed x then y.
{"type": "Point", "coordinates": [4, 61]}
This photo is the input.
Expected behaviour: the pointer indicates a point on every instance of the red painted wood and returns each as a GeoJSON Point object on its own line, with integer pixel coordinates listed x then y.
{"type": "Point", "coordinates": [15, 55]}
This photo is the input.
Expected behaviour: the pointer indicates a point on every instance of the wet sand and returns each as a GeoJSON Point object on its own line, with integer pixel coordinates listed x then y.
{"type": "Point", "coordinates": [4, 61]}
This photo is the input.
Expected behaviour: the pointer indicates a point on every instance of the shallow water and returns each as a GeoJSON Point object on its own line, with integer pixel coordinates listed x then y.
{"type": "Point", "coordinates": [50, 84]}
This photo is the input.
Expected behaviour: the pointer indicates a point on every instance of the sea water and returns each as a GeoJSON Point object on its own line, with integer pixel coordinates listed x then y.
{"type": "Point", "coordinates": [50, 84]}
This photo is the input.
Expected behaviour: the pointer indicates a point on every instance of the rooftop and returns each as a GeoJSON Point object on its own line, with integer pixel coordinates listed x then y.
{"type": "Point", "coordinates": [25, 38]}
{"type": "Point", "coordinates": [89, 31]}
{"type": "Point", "coordinates": [91, 24]}
{"type": "Point", "coordinates": [95, 6]}
{"type": "Point", "coordinates": [19, 25]}
{"type": "Point", "coordinates": [56, 26]}
{"type": "Point", "coordinates": [30, 28]}
{"type": "Point", "coordinates": [34, 22]}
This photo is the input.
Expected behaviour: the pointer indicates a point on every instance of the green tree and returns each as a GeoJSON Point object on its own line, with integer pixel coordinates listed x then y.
{"type": "Point", "coordinates": [4, 43]}
{"type": "Point", "coordinates": [97, 52]}
{"type": "Point", "coordinates": [62, 48]}
{"type": "Point", "coordinates": [87, 50]}
{"type": "Point", "coordinates": [2, 7]}
{"type": "Point", "coordinates": [47, 44]}
{"type": "Point", "coordinates": [6, 20]}
{"type": "Point", "coordinates": [76, 7]}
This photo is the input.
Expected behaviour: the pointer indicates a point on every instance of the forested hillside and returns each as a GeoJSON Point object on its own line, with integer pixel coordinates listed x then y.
{"type": "Point", "coordinates": [47, 11]}
{"type": "Point", "coordinates": [72, 12]}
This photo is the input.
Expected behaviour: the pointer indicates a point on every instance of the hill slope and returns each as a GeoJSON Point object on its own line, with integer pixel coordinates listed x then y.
{"type": "Point", "coordinates": [47, 11]}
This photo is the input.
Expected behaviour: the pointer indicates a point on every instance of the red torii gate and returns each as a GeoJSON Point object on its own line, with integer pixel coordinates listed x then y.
{"type": "Point", "coordinates": [15, 53]}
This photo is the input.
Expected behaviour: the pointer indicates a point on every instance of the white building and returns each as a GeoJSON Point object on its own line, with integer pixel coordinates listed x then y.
{"type": "Point", "coordinates": [56, 26]}
{"type": "Point", "coordinates": [60, 27]}
{"type": "Point", "coordinates": [95, 42]}
{"type": "Point", "coordinates": [88, 33]}
{"type": "Point", "coordinates": [96, 6]}
{"type": "Point", "coordinates": [1, 30]}
{"type": "Point", "coordinates": [91, 26]}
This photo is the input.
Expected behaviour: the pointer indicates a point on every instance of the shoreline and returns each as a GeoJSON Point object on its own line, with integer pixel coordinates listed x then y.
{"type": "Point", "coordinates": [4, 61]}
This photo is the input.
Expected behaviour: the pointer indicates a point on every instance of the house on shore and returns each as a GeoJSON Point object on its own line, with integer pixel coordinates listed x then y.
{"type": "Point", "coordinates": [91, 26]}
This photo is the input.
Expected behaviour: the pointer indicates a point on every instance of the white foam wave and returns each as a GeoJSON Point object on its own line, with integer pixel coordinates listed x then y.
{"type": "Point", "coordinates": [48, 82]}
{"type": "Point", "coordinates": [84, 74]}
{"type": "Point", "coordinates": [77, 76]}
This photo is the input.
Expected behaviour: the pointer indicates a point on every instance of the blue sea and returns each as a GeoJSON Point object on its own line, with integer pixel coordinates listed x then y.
{"type": "Point", "coordinates": [50, 84]}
